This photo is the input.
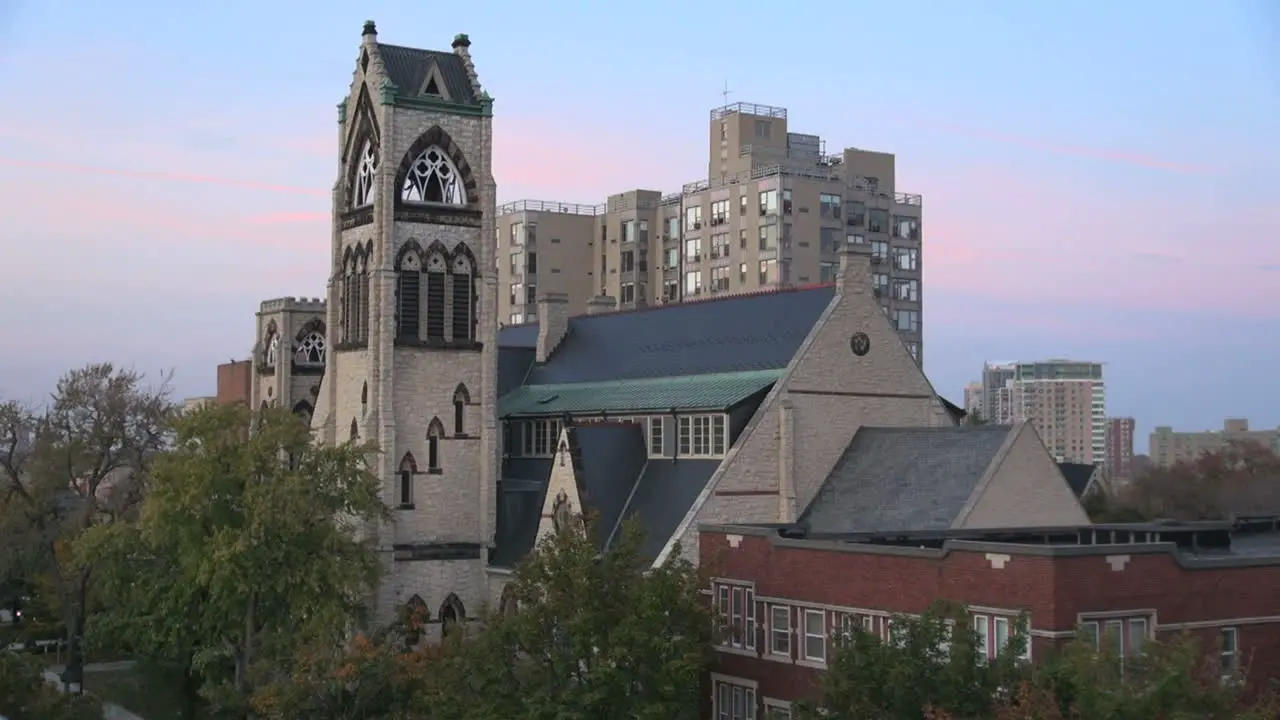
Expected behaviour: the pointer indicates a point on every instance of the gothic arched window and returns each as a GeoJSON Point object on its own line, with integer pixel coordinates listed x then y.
{"type": "Point", "coordinates": [409, 295]}
{"type": "Point", "coordinates": [464, 316]}
{"type": "Point", "coordinates": [460, 400]}
{"type": "Point", "coordinates": [273, 350]}
{"type": "Point", "coordinates": [435, 431]}
{"type": "Point", "coordinates": [362, 293]}
{"type": "Point", "coordinates": [451, 613]}
{"type": "Point", "coordinates": [432, 178]}
{"type": "Point", "coordinates": [355, 430]}
{"type": "Point", "coordinates": [346, 304]}
{"type": "Point", "coordinates": [408, 468]}
{"type": "Point", "coordinates": [436, 272]}
{"type": "Point", "coordinates": [311, 350]}
{"type": "Point", "coordinates": [363, 192]}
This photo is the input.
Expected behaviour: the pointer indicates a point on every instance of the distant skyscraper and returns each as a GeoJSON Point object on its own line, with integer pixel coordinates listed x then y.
{"type": "Point", "coordinates": [1065, 400]}
{"type": "Point", "coordinates": [1119, 458]}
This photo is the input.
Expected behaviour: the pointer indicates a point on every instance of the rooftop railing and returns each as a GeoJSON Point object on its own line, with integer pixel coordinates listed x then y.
{"type": "Point", "coordinates": [744, 108]}
{"type": "Point", "coordinates": [550, 206]}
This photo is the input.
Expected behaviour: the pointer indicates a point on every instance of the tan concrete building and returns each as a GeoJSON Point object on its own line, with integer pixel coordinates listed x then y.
{"type": "Point", "coordinates": [1119, 460]}
{"type": "Point", "coordinates": [1065, 400]}
{"type": "Point", "coordinates": [1169, 447]}
{"type": "Point", "coordinates": [774, 211]}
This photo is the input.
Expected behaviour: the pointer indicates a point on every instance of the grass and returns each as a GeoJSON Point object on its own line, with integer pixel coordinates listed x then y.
{"type": "Point", "coordinates": [150, 699]}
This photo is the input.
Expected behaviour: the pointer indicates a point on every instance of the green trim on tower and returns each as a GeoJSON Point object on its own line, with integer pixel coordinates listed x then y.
{"type": "Point", "coordinates": [422, 103]}
{"type": "Point", "coordinates": [388, 90]}
{"type": "Point", "coordinates": [342, 112]}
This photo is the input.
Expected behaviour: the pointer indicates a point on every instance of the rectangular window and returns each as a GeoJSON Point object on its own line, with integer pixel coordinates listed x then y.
{"type": "Point", "coordinates": [780, 630]}
{"type": "Point", "coordinates": [1001, 638]}
{"type": "Point", "coordinates": [913, 347]}
{"type": "Point", "coordinates": [907, 228]}
{"type": "Point", "coordinates": [768, 235]}
{"type": "Point", "coordinates": [628, 260]}
{"type": "Point", "coordinates": [628, 231]}
{"type": "Point", "coordinates": [982, 627]}
{"type": "Point", "coordinates": [857, 215]}
{"type": "Point", "coordinates": [786, 201]}
{"type": "Point", "coordinates": [655, 437]}
{"type": "Point", "coordinates": [719, 279]}
{"type": "Point", "coordinates": [768, 271]}
{"type": "Point", "coordinates": [908, 290]}
{"type": "Point", "coordinates": [777, 710]}
{"type": "Point", "coordinates": [736, 606]}
{"type": "Point", "coordinates": [435, 305]}
{"type": "Point", "coordinates": [826, 272]}
{"type": "Point", "coordinates": [768, 202]}
{"type": "Point", "coordinates": [693, 218]}
{"type": "Point", "coordinates": [878, 221]}
{"type": "Point", "coordinates": [815, 635]}
{"type": "Point", "coordinates": [517, 233]}
{"type": "Point", "coordinates": [539, 437]}
{"type": "Point", "coordinates": [1230, 652]}
{"type": "Point", "coordinates": [517, 259]}
{"type": "Point", "coordinates": [673, 228]}
{"type": "Point", "coordinates": [701, 435]}
{"type": "Point", "coordinates": [627, 292]}
{"type": "Point", "coordinates": [830, 205]}
{"type": "Point", "coordinates": [693, 249]}
{"type": "Point", "coordinates": [906, 258]}
{"type": "Point", "coordinates": [1136, 637]}
{"type": "Point", "coordinates": [879, 251]}
{"type": "Point", "coordinates": [720, 245]}
{"type": "Point", "coordinates": [719, 212]}
{"type": "Point", "coordinates": [693, 283]}
{"type": "Point", "coordinates": [742, 274]}
{"type": "Point", "coordinates": [734, 702]}
{"type": "Point", "coordinates": [907, 320]}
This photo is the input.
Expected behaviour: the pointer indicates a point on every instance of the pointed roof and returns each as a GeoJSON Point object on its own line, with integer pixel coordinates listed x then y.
{"type": "Point", "coordinates": [409, 68]}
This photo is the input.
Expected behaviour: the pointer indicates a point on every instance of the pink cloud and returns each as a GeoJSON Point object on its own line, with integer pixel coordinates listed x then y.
{"type": "Point", "coordinates": [1105, 154]}
{"type": "Point", "coordinates": [167, 176]}
{"type": "Point", "coordinates": [281, 218]}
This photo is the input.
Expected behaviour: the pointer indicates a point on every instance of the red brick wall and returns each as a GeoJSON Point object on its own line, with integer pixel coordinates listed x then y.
{"type": "Point", "coordinates": [1053, 589]}
{"type": "Point", "coordinates": [234, 381]}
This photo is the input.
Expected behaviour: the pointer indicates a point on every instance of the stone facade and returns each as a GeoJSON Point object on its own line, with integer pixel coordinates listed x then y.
{"type": "Point", "coordinates": [289, 356]}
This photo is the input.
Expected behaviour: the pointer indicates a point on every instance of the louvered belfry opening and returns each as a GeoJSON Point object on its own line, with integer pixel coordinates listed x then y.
{"type": "Point", "coordinates": [409, 293]}
{"type": "Point", "coordinates": [435, 305]}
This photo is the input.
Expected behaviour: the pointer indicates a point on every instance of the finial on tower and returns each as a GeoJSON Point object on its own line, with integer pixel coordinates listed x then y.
{"type": "Point", "coordinates": [369, 29]}
{"type": "Point", "coordinates": [461, 40]}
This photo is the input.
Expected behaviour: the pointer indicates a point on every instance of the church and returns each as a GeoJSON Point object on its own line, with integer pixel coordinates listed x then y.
{"type": "Point", "coordinates": [739, 409]}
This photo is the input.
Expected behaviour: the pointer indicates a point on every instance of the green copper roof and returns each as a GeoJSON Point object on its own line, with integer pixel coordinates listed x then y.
{"type": "Point", "coordinates": [645, 395]}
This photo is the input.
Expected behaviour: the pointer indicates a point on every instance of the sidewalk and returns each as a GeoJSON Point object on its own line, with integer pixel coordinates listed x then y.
{"type": "Point", "coordinates": [109, 711]}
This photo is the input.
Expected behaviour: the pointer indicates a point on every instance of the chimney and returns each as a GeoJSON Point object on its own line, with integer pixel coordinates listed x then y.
{"type": "Point", "coordinates": [601, 304]}
{"type": "Point", "coordinates": [854, 276]}
{"type": "Point", "coordinates": [370, 33]}
{"type": "Point", "coordinates": [553, 323]}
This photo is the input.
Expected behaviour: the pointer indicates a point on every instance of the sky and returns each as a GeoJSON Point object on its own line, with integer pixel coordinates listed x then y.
{"type": "Point", "coordinates": [1101, 179]}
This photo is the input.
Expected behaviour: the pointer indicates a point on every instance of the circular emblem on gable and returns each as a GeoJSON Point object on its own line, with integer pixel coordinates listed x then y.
{"type": "Point", "coordinates": [860, 344]}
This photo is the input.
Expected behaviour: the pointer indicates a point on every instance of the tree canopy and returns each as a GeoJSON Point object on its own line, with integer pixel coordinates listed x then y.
{"type": "Point", "coordinates": [24, 694]}
{"type": "Point", "coordinates": [243, 551]}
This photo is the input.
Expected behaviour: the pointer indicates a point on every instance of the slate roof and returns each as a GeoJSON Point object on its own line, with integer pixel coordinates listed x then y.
{"type": "Point", "coordinates": [1077, 476]}
{"type": "Point", "coordinates": [408, 68]}
{"type": "Point", "coordinates": [616, 481]}
{"type": "Point", "coordinates": [903, 479]}
{"type": "Point", "coordinates": [717, 391]}
{"type": "Point", "coordinates": [759, 331]}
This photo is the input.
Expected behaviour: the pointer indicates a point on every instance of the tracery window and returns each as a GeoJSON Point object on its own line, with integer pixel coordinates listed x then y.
{"type": "Point", "coordinates": [464, 320]}
{"type": "Point", "coordinates": [432, 178]}
{"type": "Point", "coordinates": [363, 192]}
{"type": "Point", "coordinates": [310, 350]}
{"type": "Point", "coordinates": [273, 350]}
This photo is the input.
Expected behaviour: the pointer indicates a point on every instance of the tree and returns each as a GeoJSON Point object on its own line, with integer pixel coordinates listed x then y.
{"type": "Point", "coordinates": [588, 634]}
{"type": "Point", "coordinates": [1172, 678]}
{"type": "Point", "coordinates": [26, 695]}
{"type": "Point", "coordinates": [929, 668]}
{"type": "Point", "coordinates": [244, 550]}
{"type": "Point", "coordinates": [79, 462]}
{"type": "Point", "coordinates": [1243, 478]}
{"type": "Point", "coordinates": [974, 418]}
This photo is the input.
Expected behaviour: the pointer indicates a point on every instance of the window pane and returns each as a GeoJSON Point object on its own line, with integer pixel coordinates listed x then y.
{"type": "Point", "coordinates": [1002, 635]}
{"type": "Point", "coordinates": [1137, 635]}
{"type": "Point", "coordinates": [1115, 635]}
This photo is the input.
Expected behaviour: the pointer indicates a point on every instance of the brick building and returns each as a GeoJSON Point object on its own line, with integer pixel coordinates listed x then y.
{"type": "Point", "coordinates": [787, 589]}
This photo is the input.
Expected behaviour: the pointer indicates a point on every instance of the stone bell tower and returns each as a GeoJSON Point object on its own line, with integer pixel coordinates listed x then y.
{"type": "Point", "coordinates": [412, 297]}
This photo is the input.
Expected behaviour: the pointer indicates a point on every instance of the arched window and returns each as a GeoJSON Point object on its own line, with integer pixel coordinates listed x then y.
{"type": "Point", "coordinates": [435, 431]}
{"type": "Point", "coordinates": [460, 400]}
{"type": "Point", "coordinates": [346, 304]}
{"type": "Point", "coordinates": [355, 430]}
{"type": "Point", "coordinates": [508, 605]}
{"type": "Point", "coordinates": [451, 613]}
{"type": "Point", "coordinates": [408, 468]}
{"type": "Point", "coordinates": [311, 350]}
{"type": "Point", "coordinates": [364, 398]}
{"type": "Point", "coordinates": [365, 187]}
{"type": "Point", "coordinates": [415, 616]}
{"type": "Point", "coordinates": [409, 293]}
{"type": "Point", "coordinates": [432, 178]}
{"type": "Point", "coordinates": [436, 273]}
{"type": "Point", "coordinates": [362, 293]}
{"type": "Point", "coordinates": [464, 320]}
{"type": "Point", "coordinates": [273, 350]}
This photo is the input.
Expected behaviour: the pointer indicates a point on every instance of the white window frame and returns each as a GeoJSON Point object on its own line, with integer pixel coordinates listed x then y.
{"type": "Point", "coordinates": [777, 633]}
{"type": "Point", "coordinates": [982, 626]}
{"type": "Point", "coordinates": [807, 636]}
{"type": "Point", "coordinates": [1123, 625]}
{"type": "Point", "coordinates": [1229, 657]}
{"type": "Point", "coordinates": [702, 436]}
{"type": "Point", "coordinates": [733, 698]}
{"type": "Point", "coordinates": [736, 606]}
{"type": "Point", "coordinates": [655, 430]}
{"type": "Point", "coordinates": [775, 709]}
{"type": "Point", "coordinates": [530, 445]}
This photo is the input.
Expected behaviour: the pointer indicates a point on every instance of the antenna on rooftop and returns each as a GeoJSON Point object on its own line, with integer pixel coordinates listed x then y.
{"type": "Point", "coordinates": [725, 93]}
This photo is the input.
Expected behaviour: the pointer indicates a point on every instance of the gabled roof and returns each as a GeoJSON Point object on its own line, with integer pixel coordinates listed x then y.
{"type": "Point", "coordinates": [718, 391]}
{"type": "Point", "coordinates": [757, 331]}
{"type": "Point", "coordinates": [615, 480]}
{"type": "Point", "coordinates": [408, 68]}
{"type": "Point", "coordinates": [1078, 476]}
{"type": "Point", "coordinates": [904, 479]}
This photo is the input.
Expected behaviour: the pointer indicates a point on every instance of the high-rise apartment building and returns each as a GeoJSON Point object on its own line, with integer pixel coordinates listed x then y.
{"type": "Point", "coordinates": [974, 402]}
{"type": "Point", "coordinates": [1065, 400]}
{"type": "Point", "coordinates": [774, 211]}
{"type": "Point", "coordinates": [1119, 458]}
{"type": "Point", "coordinates": [1169, 447]}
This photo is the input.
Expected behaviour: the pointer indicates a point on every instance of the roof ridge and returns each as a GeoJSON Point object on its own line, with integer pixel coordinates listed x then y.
{"type": "Point", "coordinates": [726, 297]}
{"type": "Point", "coordinates": [667, 378]}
